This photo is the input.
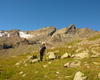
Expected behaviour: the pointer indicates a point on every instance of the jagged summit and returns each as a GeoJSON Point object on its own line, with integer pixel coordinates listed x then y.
{"type": "Point", "coordinates": [70, 29]}
{"type": "Point", "coordinates": [72, 26]}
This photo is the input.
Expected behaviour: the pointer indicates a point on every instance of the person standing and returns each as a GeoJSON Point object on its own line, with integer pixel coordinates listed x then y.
{"type": "Point", "coordinates": [42, 50]}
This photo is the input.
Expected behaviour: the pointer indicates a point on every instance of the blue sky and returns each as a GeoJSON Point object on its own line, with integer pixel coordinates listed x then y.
{"type": "Point", "coordinates": [35, 14]}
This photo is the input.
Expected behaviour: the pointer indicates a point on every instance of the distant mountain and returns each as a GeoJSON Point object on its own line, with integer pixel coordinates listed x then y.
{"type": "Point", "coordinates": [47, 34]}
{"type": "Point", "coordinates": [14, 38]}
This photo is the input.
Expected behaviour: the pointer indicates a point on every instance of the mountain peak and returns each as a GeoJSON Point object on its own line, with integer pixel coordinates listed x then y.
{"type": "Point", "coordinates": [72, 26]}
{"type": "Point", "coordinates": [71, 29]}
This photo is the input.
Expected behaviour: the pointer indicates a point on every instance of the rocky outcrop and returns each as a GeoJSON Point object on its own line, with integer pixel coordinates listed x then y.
{"type": "Point", "coordinates": [64, 34]}
{"type": "Point", "coordinates": [71, 29]}
{"type": "Point", "coordinates": [14, 33]}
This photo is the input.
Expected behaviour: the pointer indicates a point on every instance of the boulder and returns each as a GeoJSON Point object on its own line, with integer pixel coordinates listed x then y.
{"type": "Point", "coordinates": [99, 75]}
{"type": "Point", "coordinates": [66, 55]}
{"type": "Point", "coordinates": [75, 63]}
{"type": "Point", "coordinates": [18, 63]}
{"type": "Point", "coordinates": [80, 76]}
{"type": "Point", "coordinates": [67, 65]}
{"type": "Point", "coordinates": [51, 55]}
{"type": "Point", "coordinates": [69, 46]}
{"type": "Point", "coordinates": [1, 71]}
{"type": "Point", "coordinates": [95, 54]}
{"type": "Point", "coordinates": [45, 66]}
{"type": "Point", "coordinates": [34, 61]}
{"type": "Point", "coordinates": [84, 54]}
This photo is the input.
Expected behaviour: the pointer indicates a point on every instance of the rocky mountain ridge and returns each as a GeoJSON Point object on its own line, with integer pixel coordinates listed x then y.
{"type": "Point", "coordinates": [50, 35]}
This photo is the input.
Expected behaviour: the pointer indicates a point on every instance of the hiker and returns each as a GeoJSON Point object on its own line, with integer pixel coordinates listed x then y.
{"type": "Point", "coordinates": [42, 50]}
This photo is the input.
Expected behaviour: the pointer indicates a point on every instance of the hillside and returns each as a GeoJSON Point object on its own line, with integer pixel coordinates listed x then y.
{"type": "Point", "coordinates": [82, 60]}
{"type": "Point", "coordinates": [16, 42]}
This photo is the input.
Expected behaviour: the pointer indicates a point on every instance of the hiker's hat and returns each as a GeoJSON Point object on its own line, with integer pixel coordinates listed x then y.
{"type": "Point", "coordinates": [43, 42]}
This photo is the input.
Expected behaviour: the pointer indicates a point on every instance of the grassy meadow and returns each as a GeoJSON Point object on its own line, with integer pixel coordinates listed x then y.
{"type": "Point", "coordinates": [17, 68]}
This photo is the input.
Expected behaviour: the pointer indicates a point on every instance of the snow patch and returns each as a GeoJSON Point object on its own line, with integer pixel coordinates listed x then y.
{"type": "Point", "coordinates": [24, 35]}
{"type": "Point", "coordinates": [4, 33]}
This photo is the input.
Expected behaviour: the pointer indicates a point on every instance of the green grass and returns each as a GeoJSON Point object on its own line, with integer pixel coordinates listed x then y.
{"type": "Point", "coordinates": [36, 71]}
{"type": "Point", "coordinates": [94, 38]}
{"type": "Point", "coordinates": [54, 69]}
{"type": "Point", "coordinates": [72, 43]}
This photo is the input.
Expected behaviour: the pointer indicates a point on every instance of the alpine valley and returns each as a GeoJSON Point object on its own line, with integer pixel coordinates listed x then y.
{"type": "Point", "coordinates": [71, 54]}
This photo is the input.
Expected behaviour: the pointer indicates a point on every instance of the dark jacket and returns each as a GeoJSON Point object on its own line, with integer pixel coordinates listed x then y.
{"type": "Point", "coordinates": [42, 49]}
